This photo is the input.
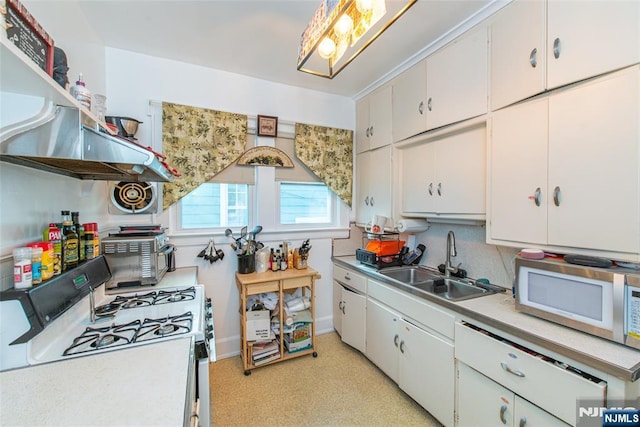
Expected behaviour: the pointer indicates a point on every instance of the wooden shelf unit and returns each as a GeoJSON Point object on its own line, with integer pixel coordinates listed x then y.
{"type": "Point", "coordinates": [280, 282]}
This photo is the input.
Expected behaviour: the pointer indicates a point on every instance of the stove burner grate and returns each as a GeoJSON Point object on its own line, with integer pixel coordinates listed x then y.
{"type": "Point", "coordinates": [164, 327]}
{"type": "Point", "coordinates": [108, 336]}
{"type": "Point", "coordinates": [154, 298]}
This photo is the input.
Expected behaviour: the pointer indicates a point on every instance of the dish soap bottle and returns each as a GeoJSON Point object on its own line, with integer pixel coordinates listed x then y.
{"type": "Point", "coordinates": [80, 92]}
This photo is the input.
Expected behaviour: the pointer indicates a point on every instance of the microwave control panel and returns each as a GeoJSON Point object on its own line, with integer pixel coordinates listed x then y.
{"type": "Point", "coordinates": [633, 312]}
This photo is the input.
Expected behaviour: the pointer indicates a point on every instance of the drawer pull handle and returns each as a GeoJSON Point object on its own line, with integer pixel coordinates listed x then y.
{"type": "Point", "coordinates": [503, 410]}
{"type": "Point", "coordinates": [347, 277]}
{"type": "Point", "coordinates": [402, 346]}
{"type": "Point", "coordinates": [523, 421]}
{"type": "Point", "coordinates": [511, 371]}
{"type": "Point", "coordinates": [395, 340]}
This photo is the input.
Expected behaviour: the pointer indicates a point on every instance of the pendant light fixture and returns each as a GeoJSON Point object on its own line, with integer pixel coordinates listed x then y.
{"type": "Point", "coordinates": [341, 29]}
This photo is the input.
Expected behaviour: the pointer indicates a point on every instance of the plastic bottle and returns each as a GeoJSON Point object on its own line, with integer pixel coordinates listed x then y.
{"type": "Point", "coordinates": [80, 92]}
{"type": "Point", "coordinates": [69, 243]}
{"type": "Point", "coordinates": [53, 234]}
{"type": "Point", "coordinates": [22, 277]}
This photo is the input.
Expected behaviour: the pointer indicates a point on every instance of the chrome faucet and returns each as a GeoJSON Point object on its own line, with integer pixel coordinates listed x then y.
{"type": "Point", "coordinates": [451, 252]}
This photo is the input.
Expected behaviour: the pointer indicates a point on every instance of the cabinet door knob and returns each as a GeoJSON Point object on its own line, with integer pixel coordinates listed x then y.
{"type": "Point", "coordinates": [371, 201]}
{"type": "Point", "coordinates": [366, 200]}
{"type": "Point", "coordinates": [344, 304]}
{"type": "Point", "coordinates": [523, 421]}
{"type": "Point", "coordinates": [439, 189]}
{"type": "Point", "coordinates": [557, 47]}
{"type": "Point", "coordinates": [429, 104]}
{"type": "Point", "coordinates": [421, 108]}
{"type": "Point", "coordinates": [503, 410]}
{"type": "Point", "coordinates": [431, 189]}
{"type": "Point", "coordinates": [371, 131]}
{"type": "Point", "coordinates": [402, 346]}
{"type": "Point", "coordinates": [511, 371]}
{"type": "Point", "coordinates": [395, 340]}
{"type": "Point", "coordinates": [536, 196]}
{"type": "Point", "coordinates": [533, 58]}
{"type": "Point", "coordinates": [556, 196]}
{"type": "Point", "coordinates": [367, 132]}
{"type": "Point", "coordinates": [340, 306]}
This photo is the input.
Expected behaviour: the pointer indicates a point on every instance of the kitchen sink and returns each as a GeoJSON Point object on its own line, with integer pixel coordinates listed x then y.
{"type": "Point", "coordinates": [418, 279]}
{"type": "Point", "coordinates": [410, 275]}
{"type": "Point", "coordinates": [457, 290]}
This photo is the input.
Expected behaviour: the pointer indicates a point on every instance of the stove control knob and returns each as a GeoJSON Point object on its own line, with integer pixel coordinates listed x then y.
{"type": "Point", "coordinates": [210, 335]}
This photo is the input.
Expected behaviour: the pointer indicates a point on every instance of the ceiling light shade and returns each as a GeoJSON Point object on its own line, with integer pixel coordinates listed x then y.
{"type": "Point", "coordinates": [341, 29]}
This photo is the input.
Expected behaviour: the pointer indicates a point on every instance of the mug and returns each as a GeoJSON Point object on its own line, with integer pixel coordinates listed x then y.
{"type": "Point", "coordinates": [376, 225]}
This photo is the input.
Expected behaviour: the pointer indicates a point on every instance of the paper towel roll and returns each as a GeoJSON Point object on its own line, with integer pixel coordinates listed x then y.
{"type": "Point", "coordinates": [412, 225]}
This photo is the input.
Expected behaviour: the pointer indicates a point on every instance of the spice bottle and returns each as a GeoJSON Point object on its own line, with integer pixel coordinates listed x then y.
{"type": "Point", "coordinates": [47, 259]}
{"type": "Point", "coordinates": [75, 217]}
{"type": "Point", "coordinates": [36, 265]}
{"type": "Point", "coordinates": [53, 235]}
{"type": "Point", "coordinates": [22, 277]}
{"type": "Point", "coordinates": [69, 243]}
{"type": "Point", "coordinates": [91, 240]}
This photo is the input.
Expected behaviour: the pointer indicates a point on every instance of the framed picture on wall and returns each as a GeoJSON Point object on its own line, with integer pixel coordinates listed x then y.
{"type": "Point", "coordinates": [267, 126]}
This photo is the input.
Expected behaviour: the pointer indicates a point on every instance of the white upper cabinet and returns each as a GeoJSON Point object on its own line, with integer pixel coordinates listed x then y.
{"type": "Point", "coordinates": [538, 45]}
{"type": "Point", "coordinates": [410, 102]}
{"type": "Point", "coordinates": [517, 52]}
{"type": "Point", "coordinates": [373, 120]}
{"type": "Point", "coordinates": [457, 80]}
{"type": "Point", "coordinates": [564, 169]}
{"type": "Point", "coordinates": [373, 184]}
{"type": "Point", "coordinates": [587, 38]}
{"type": "Point", "coordinates": [445, 175]}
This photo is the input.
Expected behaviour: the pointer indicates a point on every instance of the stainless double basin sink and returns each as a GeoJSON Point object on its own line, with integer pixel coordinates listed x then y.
{"type": "Point", "coordinates": [423, 280]}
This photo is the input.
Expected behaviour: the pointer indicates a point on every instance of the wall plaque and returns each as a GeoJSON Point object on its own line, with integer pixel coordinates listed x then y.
{"type": "Point", "coordinates": [28, 35]}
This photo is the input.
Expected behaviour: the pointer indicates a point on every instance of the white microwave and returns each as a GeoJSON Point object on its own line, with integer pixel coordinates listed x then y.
{"type": "Point", "coordinates": [600, 301]}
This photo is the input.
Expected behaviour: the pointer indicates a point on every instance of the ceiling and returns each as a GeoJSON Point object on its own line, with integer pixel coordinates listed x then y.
{"type": "Point", "coordinates": [260, 38]}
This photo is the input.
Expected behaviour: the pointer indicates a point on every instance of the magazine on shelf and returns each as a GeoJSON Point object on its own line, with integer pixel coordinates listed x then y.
{"type": "Point", "coordinates": [264, 348]}
{"type": "Point", "coordinates": [267, 359]}
{"type": "Point", "coordinates": [293, 347]}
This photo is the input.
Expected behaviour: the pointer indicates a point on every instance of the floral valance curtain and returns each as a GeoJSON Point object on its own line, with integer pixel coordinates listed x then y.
{"type": "Point", "coordinates": [199, 143]}
{"type": "Point", "coordinates": [328, 152]}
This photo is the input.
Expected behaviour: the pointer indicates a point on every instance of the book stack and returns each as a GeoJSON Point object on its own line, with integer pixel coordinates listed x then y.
{"type": "Point", "coordinates": [264, 352]}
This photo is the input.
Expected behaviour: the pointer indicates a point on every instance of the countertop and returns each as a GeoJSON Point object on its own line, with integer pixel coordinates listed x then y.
{"type": "Point", "coordinates": [498, 311]}
{"type": "Point", "coordinates": [91, 391]}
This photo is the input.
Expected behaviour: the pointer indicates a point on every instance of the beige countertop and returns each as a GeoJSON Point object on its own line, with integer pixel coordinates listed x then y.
{"type": "Point", "coordinates": [91, 391]}
{"type": "Point", "coordinates": [498, 311]}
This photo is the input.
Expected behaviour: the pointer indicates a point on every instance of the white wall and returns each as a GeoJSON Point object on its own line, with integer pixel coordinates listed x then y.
{"type": "Point", "coordinates": [134, 79]}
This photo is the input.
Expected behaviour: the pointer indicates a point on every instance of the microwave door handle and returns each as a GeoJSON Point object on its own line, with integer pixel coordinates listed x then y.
{"type": "Point", "coordinates": [618, 307]}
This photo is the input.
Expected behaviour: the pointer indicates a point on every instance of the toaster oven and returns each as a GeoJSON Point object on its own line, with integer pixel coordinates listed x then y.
{"type": "Point", "coordinates": [139, 260]}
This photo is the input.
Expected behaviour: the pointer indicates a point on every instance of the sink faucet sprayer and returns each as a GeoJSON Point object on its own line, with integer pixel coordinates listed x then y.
{"type": "Point", "coordinates": [451, 252]}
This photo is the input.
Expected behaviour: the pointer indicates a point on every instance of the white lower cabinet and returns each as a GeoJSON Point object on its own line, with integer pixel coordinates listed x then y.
{"type": "Point", "coordinates": [483, 402]}
{"type": "Point", "coordinates": [420, 361]}
{"type": "Point", "coordinates": [349, 307]}
{"type": "Point", "coordinates": [514, 375]}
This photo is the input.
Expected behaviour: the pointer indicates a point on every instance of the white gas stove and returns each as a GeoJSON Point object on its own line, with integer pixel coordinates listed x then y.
{"type": "Point", "coordinates": [72, 317]}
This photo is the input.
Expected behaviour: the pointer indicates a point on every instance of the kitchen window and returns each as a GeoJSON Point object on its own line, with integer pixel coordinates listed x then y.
{"type": "Point", "coordinates": [305, 203]}
{"type": "Point", "coordinates": [215, 205]}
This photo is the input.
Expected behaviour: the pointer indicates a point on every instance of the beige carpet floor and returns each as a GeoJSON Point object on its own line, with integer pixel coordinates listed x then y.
{"type": "Point", "coordinates": [338, 388]}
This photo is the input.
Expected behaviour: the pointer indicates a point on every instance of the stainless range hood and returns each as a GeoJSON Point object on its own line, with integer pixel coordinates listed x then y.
{"type": "Point", "coordinates": [57, 141]}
